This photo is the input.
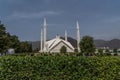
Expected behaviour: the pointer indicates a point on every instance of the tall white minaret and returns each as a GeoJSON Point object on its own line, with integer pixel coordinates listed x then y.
{"type": "Point", "coordinates": [65, 35]}
{"type": "Point", "coordinates": [41, 41]}
{"type": "Point", "coordinates": [44, 27]}
{"type": "Point", "coordinates": [78, 36]}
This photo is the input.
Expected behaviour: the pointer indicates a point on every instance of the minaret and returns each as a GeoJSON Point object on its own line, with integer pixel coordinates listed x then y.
{"type": "Point", "coordinates": [65, 35]}
{"type": "Point", "coordinates": [78, 36]}
{"type": "Point", "coordinates": [44, 27]}
{"type": "Point", "coordinates": [41, 41]}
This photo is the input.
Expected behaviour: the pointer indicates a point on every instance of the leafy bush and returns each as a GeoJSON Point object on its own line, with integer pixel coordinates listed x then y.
{"type": "Point", "coordinates": [63, 49]}
{"type": "Point", "coordinates": [108, 54]}
{"type": "Point", "coordinates": [59, 67]}
{"type": "Point", "coordinates": [76, 50]}
{"type": "Point", "coordinates": [115, 54]}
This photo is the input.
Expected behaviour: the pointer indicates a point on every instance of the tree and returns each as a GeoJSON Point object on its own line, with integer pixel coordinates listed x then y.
{"type": "Point", "coordinates": [14, 42]}
{"type": "Point", "coordinates": [24, 47]}
{"type": "Point", "coordinates": [7, 41]}
{"type": "Point", "coordinates": [115, 51]}
{"type": "Point", "coordinates": [3, 39]}
{"type": "Point", "coordinates": [87, 45]}
{"type": "Point", "coordinates": [11, 41]}
{"type": "Point", "coordinates": [63, 49]}
{"type": "Point", "coordinates": [107, 52]}
{"type": "Point", "coordinates": [100, 51]}
{"type": "Point", "coordinates": [76, 50]}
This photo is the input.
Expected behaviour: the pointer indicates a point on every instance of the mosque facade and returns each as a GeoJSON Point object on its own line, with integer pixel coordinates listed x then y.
{"type": "Point", "coordinates": [54, 45]}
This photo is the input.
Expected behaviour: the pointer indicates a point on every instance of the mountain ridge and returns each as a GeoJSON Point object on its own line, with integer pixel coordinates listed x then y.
{"type": "Point", "coordinates": [112, 44]}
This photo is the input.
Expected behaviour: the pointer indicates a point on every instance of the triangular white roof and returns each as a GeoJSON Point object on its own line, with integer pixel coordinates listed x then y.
{"type": "Point", "coordinates": [52, 43]}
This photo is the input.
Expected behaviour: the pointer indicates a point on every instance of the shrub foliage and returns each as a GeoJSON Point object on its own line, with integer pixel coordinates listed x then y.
{"type": "Point", "coordinates": [63, 49]}
{"type": "Point", "coordinates": [87, 45]}
{"type": "Point", "coordinates": [47, 67]}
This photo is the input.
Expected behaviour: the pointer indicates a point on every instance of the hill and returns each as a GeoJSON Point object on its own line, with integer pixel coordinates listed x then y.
{"type": "Point", "coordinates": [114, 43]}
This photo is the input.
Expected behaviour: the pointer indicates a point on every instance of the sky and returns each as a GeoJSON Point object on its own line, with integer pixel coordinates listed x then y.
{"type": "Point", "coordinates": [97, 18]}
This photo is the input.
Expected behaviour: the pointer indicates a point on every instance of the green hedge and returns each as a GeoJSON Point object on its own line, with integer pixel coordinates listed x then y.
{"type": "Point", "coordinates": [59, 68]}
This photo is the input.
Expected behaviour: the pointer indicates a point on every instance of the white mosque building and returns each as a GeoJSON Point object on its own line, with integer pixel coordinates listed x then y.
{"type": "Point", "coordinates": [54, 45]}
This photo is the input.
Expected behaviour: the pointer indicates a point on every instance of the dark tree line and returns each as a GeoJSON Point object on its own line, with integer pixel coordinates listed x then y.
{"type": "Point", "coordinates": [11, 41]}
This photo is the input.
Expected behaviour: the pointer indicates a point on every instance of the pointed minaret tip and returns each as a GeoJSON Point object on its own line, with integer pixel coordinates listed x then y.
{"type": "Point", "coordinates": [65, 35]}
{"type": "Point", "coordinates": [77, 25]}
{"type": "Point", "coordinates": [44, 21]}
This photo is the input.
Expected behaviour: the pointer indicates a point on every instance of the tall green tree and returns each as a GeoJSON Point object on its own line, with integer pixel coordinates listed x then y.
{"type": "Point", "coordinates": [63, 49]}
{"type": "Point", "coordinates": [107, 52]}
{"type": "Point", "coordinates": [3, 38]}
{"type": "Point", "coordinates": [100, 52]}
{"type": "Point", "coordinates": [115, 51]}
{"type": "Point", "coordinates": [87, 45]}
{"type": "Point", "coordinates": [6, 40]}
{"type": "Point", "coordinates": [11, 41]}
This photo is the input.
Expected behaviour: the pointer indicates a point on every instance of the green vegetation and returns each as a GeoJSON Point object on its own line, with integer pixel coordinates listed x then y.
{"type": "Point", "coordinates": [76, 50]}
{"type": "Point", "coordinates": [63, 49]}
{"type": "Point", "coordinates": [100, 52]}
{"type": "Point", "coordinates": [87, 45]}
{"type": "Point", "coordinates": [59, 67]}
{"type": "Point", "coordinates": [11, 41]}
{"type": "Point", "coordinates": [56, 66]}
{"type": "Point", "coordinates": [115, 52]}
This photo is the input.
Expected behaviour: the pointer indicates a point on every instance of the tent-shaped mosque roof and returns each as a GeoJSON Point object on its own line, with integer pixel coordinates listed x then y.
{"type": "Point", "coordinates": [54, 42]}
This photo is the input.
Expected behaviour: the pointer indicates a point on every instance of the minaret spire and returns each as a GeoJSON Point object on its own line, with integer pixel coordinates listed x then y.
{"type": "Point", "coordinates": [65, 35]}
{"type": "Point", "coordinates": [41, 41]}
{"type": "Point", "coordinates": [44, 27]}
{"type": "Point", "coordinates": [78, 36]}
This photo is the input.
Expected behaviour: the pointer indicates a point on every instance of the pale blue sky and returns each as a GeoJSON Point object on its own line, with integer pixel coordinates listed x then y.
{"type": "Point", "coordinates": [97, 18]}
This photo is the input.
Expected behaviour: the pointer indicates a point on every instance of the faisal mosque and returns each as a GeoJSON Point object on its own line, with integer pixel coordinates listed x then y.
{"type": "Point", "coordinates": [54, 45]}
